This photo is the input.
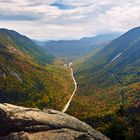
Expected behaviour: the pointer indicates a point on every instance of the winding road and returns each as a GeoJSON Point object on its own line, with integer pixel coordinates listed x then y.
{"type": "Point", "coordinates": [75, 83]}
{"type": "Point", "coordinates": [75, 88]}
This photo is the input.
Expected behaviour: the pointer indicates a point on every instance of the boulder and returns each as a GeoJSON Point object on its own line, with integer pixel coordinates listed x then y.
{"type": "Point", "coordinates": [20, 123]}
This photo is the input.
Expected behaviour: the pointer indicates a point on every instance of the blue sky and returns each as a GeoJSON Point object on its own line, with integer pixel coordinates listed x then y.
{"type": "Point", "coordinates": [68, 19]}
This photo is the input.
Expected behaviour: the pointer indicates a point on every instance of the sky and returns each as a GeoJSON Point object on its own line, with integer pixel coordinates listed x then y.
{"type": "Point", "coordinates": [68, 19]}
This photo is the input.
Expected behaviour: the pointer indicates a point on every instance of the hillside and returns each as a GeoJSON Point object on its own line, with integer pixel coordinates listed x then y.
{"type": "Point", "coordinates": [26, 45]}
{"type": "Point", "coordinates": [24, 81]}
{"type": "Point", "coordinates": [108, 83]}
{"type": "Point", "coordinates": [121, 57]}
{"type": "Point", "coordinates": [76, 48]}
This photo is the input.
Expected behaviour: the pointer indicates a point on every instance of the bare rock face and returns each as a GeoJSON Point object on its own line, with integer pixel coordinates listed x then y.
{"type": "Point", "coordinates": [19, 123]}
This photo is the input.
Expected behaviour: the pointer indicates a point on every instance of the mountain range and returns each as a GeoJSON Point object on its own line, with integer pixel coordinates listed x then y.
{"type": "Point", "coordinates": [76, 48]}
{"type": "Point", "coordinates": [106, 68]}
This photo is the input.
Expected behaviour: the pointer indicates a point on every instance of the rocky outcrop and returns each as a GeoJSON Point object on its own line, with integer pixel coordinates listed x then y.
{"type": "Point", "coordinates": [19, 123]}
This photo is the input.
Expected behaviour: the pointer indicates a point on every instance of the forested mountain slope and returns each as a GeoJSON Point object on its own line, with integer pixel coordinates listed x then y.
{"type": "Point", "coordinates": [24, 81]}
{"type": "Point", "coordinates": [115, 65]}
{"type": "Point", "coordinates": [26, 45]}
{"type": "Point", "coordinates": [120, 57]}
{"type": "Point", "coordinates": [107, 80]}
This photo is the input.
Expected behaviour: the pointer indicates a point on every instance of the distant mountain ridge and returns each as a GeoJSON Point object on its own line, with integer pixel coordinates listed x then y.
{"type": "Point", "coordinates": [76, 48]}
{"type": "Point", "coordinates": [39, 43]}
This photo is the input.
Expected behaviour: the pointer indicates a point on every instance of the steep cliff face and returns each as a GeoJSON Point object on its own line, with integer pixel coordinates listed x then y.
{"type": "Point", "coordinates": [18, 123]}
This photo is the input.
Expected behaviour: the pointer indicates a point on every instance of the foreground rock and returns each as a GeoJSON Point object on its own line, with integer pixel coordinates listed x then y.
{"type": "Point", "coordinates": [19, 123]}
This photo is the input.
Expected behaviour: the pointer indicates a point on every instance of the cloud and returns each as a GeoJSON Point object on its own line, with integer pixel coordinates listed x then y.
{"type": "Point", "coordinates": [63, 6]}
{"type": "Point", "coordinates": [19, 16]}
{"type": "Point", "coordinates": [7, 1]}
{"type": "Point", "coordinates": [64, 19]}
